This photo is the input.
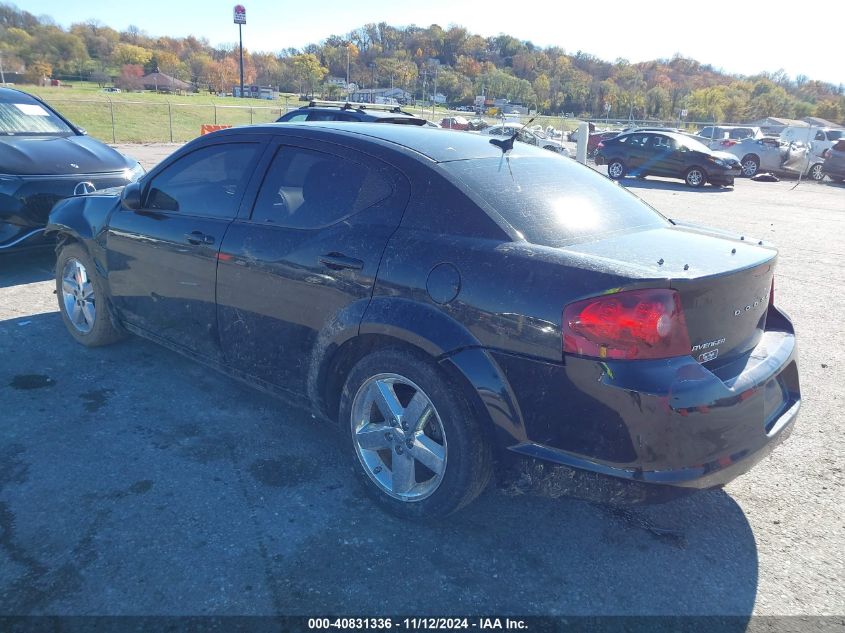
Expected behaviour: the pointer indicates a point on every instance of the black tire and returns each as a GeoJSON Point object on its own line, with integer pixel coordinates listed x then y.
{"type": "Point", "coordinates": [102, 331]}
{"type": "Point", "coordinates": [750, 165]}
{"type": "Point", "coordinates": [467, 453]}
{"type": "Point", "coordinates": [616, 169]}
{"type": "Point", "coordinates": [817, 172]}
{"type": "Point", "coordinates": [695, 177]}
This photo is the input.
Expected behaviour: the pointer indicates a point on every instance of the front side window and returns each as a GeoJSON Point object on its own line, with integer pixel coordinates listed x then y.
{"type": "Point", "coordinates": [302, 116]}
{"type": "Point", "coordinates": [306, 189]}
{"type": "Point", "coordinates": [207, 182]}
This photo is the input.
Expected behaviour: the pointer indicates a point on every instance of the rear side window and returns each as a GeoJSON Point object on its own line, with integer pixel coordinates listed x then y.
{"type": "Point", "coordinates": [553, 201]}
{"type": "Point", "coordinates": [207, 182]}
{"type": "Point", "coordinates": [306, 189]}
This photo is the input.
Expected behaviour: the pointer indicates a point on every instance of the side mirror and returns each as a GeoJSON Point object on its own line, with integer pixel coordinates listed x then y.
{"type": "Point", "coordinates": [130, 198]}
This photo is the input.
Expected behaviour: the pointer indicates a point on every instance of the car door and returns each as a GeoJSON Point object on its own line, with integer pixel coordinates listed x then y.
{"type": "Point", "coordinates": [308, 252]}
{"type": "Point", "coordinates": [665, 156]}
{"type": "Point", "coordinates": [162, 257]}
{"type": "Point", "coordinates": [768, 151]}
{"type": "Point", "coordinates": [638, 153]}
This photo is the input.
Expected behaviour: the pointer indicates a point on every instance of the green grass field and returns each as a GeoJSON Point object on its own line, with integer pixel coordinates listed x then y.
{"type": "Point", "coordinates": [147, 117]}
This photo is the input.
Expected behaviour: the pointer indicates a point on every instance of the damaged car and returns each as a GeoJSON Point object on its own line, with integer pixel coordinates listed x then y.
{"type": "Point", "coordinates": [44, 158]}
{"type": "Point", "coordinates": [454, 304]}
{"type": "Point", "coordinates": [770, 154]}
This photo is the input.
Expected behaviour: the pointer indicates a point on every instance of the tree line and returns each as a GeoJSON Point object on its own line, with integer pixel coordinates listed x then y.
{"type": "Point", "coordinates": [416, 59]}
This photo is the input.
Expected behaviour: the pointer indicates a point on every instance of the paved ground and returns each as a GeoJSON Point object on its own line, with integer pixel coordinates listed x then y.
{"type": "Point", "coordinates": [133, 481]}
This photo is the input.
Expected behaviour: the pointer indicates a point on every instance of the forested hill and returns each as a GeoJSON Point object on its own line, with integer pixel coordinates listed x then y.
{"type": "Point", "coordinates": [381, 55]}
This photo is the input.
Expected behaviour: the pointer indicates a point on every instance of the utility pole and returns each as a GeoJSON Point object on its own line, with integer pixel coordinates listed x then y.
{"type": "Point", "coordinates": [240, 20]}
{"type": "Point", "coordinates": [347, 71]}
{"type": "Point", "coordinates": [2, 75]}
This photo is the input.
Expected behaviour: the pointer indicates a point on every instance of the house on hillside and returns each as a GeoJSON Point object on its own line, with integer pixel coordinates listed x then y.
{"type": "Point", "coordinates": [160, 82]}
{"type": "Point", "coordinates": [773, 126]}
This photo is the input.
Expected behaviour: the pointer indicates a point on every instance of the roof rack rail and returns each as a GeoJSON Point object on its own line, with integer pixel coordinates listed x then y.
{"type": "Point", "coordinates": [352, 105]}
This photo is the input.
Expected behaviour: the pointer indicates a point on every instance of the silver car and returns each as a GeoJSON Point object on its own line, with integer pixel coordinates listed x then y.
{"type": "Point", "coordinates": [723, 136]}
{"type": "Point", "coordinates": [527, 136]}
{"type": "Point", "coordinates": [777, 156]}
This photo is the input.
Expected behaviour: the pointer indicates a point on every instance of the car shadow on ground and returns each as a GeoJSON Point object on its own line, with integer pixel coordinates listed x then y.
{"type": "Point", "coordinates": [135, 481]}
{"type": "Point", "coordinates": [27, 267]}
{"type": "Point", "coordinates": [659, 183]}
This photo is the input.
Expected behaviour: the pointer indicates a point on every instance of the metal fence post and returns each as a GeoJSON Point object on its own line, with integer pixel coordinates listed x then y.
{"type": "Point", "coordinates": [170, 120]}
{"type": "Point", "coordinates": [214, 105]}
{"type": "Point", "coordinates": [250, 115]}
{"type": "Point", "coordinates": [111, 108]}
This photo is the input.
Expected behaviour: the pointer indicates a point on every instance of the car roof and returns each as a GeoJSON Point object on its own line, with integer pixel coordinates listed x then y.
{"type": "Point", "coordinates": [439, 145]}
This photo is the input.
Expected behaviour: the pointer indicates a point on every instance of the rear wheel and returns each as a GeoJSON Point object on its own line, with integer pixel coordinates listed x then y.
{"type": "Point", "coordinates": [817, 172]}
{"type": "Point", "coordinates": [82, 299]}
{"type": "Point", "coordinates": [417, 447]}
{"type": "Point", "coordinates": [750, 165]}
{"type": "Point", "coordinates": [695, 177]}
{"type": "Point", "coordinates": [616, 169]}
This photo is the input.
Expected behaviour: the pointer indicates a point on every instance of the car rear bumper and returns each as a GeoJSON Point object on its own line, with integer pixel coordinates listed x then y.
{"type": "Point", "coordinates": [671, 423]}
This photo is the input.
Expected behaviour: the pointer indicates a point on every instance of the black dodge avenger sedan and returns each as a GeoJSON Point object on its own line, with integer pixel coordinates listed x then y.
{"type": "Point", "coordinates": [448, 305]}
{"type": "Point", "coordinates": [44, 158]}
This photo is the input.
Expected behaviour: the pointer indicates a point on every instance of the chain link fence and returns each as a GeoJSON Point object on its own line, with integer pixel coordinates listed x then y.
{"type": "Point", "coordinates": [133, 121]}
{"type": "Point", "coordinates": [121, 121]}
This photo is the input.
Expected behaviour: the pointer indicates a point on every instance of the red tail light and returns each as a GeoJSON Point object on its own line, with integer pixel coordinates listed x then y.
{"type": "Point", "coordinates": [637, 324]}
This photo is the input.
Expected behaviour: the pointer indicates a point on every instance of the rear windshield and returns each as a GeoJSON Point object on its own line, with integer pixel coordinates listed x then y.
{"type": "Point", "coordinates": [553, 201]}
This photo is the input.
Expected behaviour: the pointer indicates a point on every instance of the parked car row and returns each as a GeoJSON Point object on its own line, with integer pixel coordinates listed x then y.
{"type": "Point", "coordinates": [451, 316]}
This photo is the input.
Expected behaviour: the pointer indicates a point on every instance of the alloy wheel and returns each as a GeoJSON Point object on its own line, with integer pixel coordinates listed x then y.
{"type": "Point", "coordinates": [749, 168]}
{"type": "Point", "coordinates": [399, 437]}
{"type": "Point", "coordinates": [615, 170]}
{"type": "Point", "coordinates": [694, 178]}
{"type": "Point", "coordinates": [817, 172]}
{"type": "Point", "coordinates": [78, 296]}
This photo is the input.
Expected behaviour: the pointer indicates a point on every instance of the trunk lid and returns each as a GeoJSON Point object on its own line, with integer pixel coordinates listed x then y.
{"type": "Point", "coordinates": [723, 281]}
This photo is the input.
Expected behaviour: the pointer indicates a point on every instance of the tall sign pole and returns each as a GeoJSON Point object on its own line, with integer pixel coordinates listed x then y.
{"type": "Point", "coordinates": [240, 20]}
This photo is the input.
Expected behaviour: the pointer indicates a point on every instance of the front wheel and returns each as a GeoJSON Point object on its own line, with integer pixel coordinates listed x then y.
{"type": "Point", "coordinates": [616, 169]}
{"type": "Point", "coordinates": [695, 177]}
{"type": "Point", "coordinates": [417, 447]}
{"type": "Point", "coordinates": [817, 172]}
{"type": "Point", "coordinates": [82, 298]}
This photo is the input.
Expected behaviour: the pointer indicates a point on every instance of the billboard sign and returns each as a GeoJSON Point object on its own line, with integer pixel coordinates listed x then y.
{"type": "Point", "coordinates": [240, 14]}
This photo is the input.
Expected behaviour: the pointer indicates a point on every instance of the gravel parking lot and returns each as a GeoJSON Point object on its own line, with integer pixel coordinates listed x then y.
{"type": "Point", "coordinates": [133, 481]}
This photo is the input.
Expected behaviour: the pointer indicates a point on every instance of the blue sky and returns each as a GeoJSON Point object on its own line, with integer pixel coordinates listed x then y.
{"type": "Point", "coordinates": [730, 36]}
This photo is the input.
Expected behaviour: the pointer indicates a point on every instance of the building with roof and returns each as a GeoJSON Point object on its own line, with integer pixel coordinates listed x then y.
{"type": "Point", "coordinates": [160, 82]}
